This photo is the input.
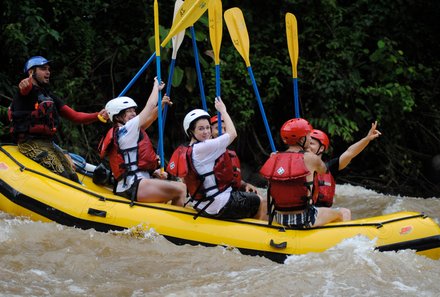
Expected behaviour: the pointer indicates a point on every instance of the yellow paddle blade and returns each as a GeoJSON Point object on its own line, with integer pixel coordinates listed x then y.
{"type": "Point", "coordinates": [189, 13]}
{"type": "Point", "coordinates": [156, 28]}
{"type": "Point", "coordinates": [215, 27]}
{"type": "Point", "coordinates": [292, 41]}
{"type": "Point", "coordinates": [238, 31]}
{"type": "Point", "coordinates": [177, 39]}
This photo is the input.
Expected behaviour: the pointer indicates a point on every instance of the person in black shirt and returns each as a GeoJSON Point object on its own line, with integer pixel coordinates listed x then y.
{"type": "Point", "coordinates": [35, 116]}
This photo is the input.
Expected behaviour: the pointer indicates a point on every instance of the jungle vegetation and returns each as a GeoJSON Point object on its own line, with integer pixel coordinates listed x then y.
{"type": "Point", "coordinates": [359, 61]}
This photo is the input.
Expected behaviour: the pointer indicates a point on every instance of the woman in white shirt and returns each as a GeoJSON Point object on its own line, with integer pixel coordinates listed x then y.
{"type": "Point", "coordinates": [217, 202]}
{"type": "Point", "coordinates": [127, 143]}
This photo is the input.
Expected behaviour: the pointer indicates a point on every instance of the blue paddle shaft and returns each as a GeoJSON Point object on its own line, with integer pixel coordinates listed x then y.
{"type": "Point", "coordinates": [168, 91]}
{"type": "Point", "coordinates": [295, 97]}
{"type": "Point", "coordinates": [199, 72]}
{"type": "Point", "coordinates": [217, 81]}
{"type": "Point", "coordinates": [159, 112]}
{"type": "Point", "coordinates": [133, 80]}
{"type": "Point", "coordinates": [217, 94]}
{"type": "Point", "coordinates": [260, 105]}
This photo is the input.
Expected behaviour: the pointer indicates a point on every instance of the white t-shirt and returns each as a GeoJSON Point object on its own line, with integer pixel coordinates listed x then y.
{"type": "Point", "coordinates": [204, 155]}
{"type": "Point", "coordinates": [128, 136]}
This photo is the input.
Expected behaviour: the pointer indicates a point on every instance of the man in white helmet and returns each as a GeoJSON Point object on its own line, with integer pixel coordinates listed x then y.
{"type": "Point", "coordinates": [132, 158]}
{"type": "Point", "coordinates": [35, 115]}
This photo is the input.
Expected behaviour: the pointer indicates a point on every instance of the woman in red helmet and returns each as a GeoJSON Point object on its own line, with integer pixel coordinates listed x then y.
{"type": "Point", "coordinates": [292, 183]}
{"type": "Point", "coordinates": [319, 144]}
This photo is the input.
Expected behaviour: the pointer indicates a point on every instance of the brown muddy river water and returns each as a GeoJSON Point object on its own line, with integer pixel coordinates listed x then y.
{"type": "Point", "coordinates": [47, 259]}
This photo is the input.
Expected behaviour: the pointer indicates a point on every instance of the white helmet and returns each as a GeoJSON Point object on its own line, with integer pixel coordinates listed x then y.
{"type": "Point", "coordinates": [115, 106]}
{"type": "Point", "coordinates": [192, 116]}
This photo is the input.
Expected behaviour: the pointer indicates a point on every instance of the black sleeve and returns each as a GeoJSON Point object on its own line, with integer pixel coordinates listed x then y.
{"type": "Point", "coordinates": [333, 166]}
{"type": "Point", "coordinates": [58, 102]}
{"type": "Point", "coordinates": [24, 103]}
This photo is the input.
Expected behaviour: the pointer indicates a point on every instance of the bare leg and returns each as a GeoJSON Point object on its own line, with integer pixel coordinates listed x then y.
{"type": "Point", "coordinates": [327, 215]}
{"type": "Point", "coordinates": [262, 210]}
{"type": "Point", "coordinates": [156, 190]}
{"type": "Point", "coordinates": [346, 214]}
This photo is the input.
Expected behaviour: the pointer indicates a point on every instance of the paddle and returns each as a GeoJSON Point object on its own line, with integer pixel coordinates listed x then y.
{"type": "Point", "coordinates": [198, 70]}
{"type": "Point", "coordinates": [158, 75]}
{"type": "Point", "coordinates": [189, 13]}
{"type": "Point", "coordinates": [177, 41]}
{"type": "Point", "coordinates": [215, 34]}
{"type": "Point", "coordinates": [240, 38]}
{"type": "Point", "coordinates": [292, 45]}
{"type": "Point", "coordinates": [138, 74]}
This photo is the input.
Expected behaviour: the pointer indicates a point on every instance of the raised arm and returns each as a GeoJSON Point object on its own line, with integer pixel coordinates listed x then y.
{"type": "Point", "coordinates": [229, 125]}
{"type": "Point", "coordinates": [149, 114]}
{"type": "Point", "coordinates": [358, 147]}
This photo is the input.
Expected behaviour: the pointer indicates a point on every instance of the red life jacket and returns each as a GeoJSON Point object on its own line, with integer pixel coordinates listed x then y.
{"type": "Point", "coordinates": [43, 120]}
{"type": "Point", "coordinates": [327, 187]}
{"type": "Point", "coordinates": [146, 159]}
{"type": "Point", "coordinates": [288, 186]}
{"type": "Point", "coordinates": [236, 182]}
{"type": "Point", "coordinates": [181, 165]}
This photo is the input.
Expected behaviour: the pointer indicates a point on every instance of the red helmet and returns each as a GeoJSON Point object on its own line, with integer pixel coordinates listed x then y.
{"type": "Point", "coordinates": [294, 129]}
{"type": "Point", "coordinates": [214, 119]}
{"type": "Point", "coordinates": [321, 137]}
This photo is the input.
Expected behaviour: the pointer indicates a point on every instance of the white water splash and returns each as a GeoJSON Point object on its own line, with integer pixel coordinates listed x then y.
{"type": "Point", "coordinates": [350, 190]}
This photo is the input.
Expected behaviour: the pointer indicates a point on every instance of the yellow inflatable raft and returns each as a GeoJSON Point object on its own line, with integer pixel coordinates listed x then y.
{"type": "Point", "coordinates": [28, 189]}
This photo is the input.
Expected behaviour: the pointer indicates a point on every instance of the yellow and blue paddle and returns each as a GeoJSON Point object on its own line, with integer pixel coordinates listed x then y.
{"type": "Point", "coordinates": [159, 80]}
{"type": "Point", "coordinates": [177, 41]}
{"type": "Point", "coordinates": [197, 9]}
{"type": "Point", "coordinates": [189, 13]}
{"type": "Point", "coordinates": [292, 45]}
{"type": "Point", "coordinates": [215, 33]}
{"type": "Point", "coordinates": [240, 38]}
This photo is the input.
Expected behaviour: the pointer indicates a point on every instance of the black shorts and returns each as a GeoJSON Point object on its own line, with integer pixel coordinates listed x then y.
{"type": "Point", "coordinates": [240, 205]}
{"type": "Point", "coordinates": [131, 193]}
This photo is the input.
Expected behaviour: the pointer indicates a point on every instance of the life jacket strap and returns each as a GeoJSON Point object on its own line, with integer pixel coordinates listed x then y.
{"type": "Point", "coordinates": [203, 209]}
{"type": "Point", "coordinates": [270, 206]}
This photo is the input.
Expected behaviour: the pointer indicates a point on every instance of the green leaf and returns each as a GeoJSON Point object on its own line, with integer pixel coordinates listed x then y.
{"type": "Point", "coordinates": [380, 44]}
{"type": "Point", "coordinates": [177, 76]}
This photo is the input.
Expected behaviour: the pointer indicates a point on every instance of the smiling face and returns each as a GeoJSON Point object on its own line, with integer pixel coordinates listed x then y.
{"type": "Point", "coordinates": [41, 74]}
{"type": "Point", "coordinates": [129, 113]}
{"type": "Point", "coordinates": [202, 130]}
{"type": "Point", "coordinates": [125, 115]}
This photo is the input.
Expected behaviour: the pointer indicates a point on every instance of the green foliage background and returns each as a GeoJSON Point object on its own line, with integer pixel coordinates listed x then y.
{"type": "Point", "coordinates": [359, 61]}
